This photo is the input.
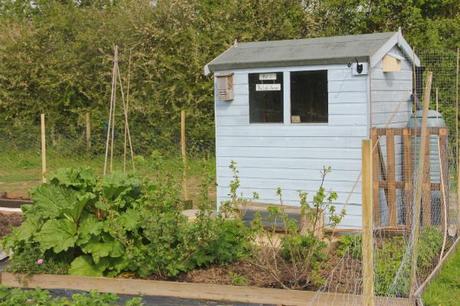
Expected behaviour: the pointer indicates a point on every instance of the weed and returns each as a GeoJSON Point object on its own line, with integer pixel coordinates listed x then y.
{"type": "Point", "coordinates": [238, 280]}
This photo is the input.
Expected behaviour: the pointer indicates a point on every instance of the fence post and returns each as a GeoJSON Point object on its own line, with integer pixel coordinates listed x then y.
{"type": "Point", "coordinates": [184, 155]}
{"type": "Point", "coordinates": [43, 146]}
{"type": "Point", "coordinates": [418, 184]}
{"type": "Point", "coordinates": [457, 114]}
{"type": "Point", "coordinates": [391, 177]}
{"type": "Point", "coordinates": [367, 220]}
{"type": "Point", "coordinates": [88, 131]}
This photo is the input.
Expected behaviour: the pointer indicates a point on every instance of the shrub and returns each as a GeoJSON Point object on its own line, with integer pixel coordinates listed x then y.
{"type": "Point", "coordinates": [295, 260]}
{"type": "Point", "coordinates": [89, 226]}
{"type": "Point", "coordinates": [351, 245]}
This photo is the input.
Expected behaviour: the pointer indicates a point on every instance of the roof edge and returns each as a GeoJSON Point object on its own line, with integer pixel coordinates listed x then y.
{"type": "Point", "coordinates": [396, 40]}
{"type": "Point", "coordinates": [277, 64]}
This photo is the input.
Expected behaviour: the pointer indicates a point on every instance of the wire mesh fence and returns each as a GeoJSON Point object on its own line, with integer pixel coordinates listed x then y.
{"type": "Point", "coordinates": [81, 142]}
{"type": "Point", "coordinates": [415, 188]}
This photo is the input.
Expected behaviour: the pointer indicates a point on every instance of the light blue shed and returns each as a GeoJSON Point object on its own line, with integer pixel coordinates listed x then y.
{"type": "Point", "coordinates": [284, 109]}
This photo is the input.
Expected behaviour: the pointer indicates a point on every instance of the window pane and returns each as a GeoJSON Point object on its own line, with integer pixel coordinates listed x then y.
{"type": "Point", "coordinates": [266, 97]}
{"type": "Point", "coordinates": [309, 100]}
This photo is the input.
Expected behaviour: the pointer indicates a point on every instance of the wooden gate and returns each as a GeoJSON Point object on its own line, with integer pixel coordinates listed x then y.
{"type": "Point", "coordinates": [386, 176]}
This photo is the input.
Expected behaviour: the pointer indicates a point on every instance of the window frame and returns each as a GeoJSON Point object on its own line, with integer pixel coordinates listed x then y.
{"type": "Point", "coordinates": [325, 123]}
{"type": "Point", "coordinates": [287, 93]}
{"type": "Point", "coordinates": [283, 95]}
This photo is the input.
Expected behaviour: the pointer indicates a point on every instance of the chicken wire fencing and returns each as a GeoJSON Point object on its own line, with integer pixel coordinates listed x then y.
{"type": "Point", "coordinates": [415, 190]}
{"type": "Point", "coordinates": [80, 141]}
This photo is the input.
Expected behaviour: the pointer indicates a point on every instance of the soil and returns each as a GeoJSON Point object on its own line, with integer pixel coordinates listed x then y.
{"type": "Point", "coordinates": [341, 274]}
{"type": "Point", "coordinates": [240, 273]}
{"type": "Point", "coordinates": [8, 221]}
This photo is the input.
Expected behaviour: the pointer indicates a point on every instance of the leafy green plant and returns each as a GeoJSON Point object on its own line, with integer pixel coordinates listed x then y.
{"type": "Point", "coordinates": [238, 280]}
{"type": "Point", "coordinates": [89, 226]}
{"type": "Point", "coordinates": [391, 263]}
{"type": "Point", "coordinates": [13, 297]}
{"type": "Point", "coordinates": [350, 245]}
{"type": "Point", "coordinates": [234, 207]}
{"type": "Point", "coordinates": [295, 259]}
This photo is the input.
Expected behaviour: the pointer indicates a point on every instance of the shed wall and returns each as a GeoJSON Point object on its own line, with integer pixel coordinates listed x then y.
{"type": "Point", "coordinates": [291, 156]}
{"type": "Point", "coordinates": [391, 106]}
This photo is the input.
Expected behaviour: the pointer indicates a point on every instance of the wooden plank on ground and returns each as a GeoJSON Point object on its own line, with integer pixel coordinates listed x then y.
{"type": "Point", "coordinates": [190, 290]}
{"type": "Point", "coordinates": [391, 177]}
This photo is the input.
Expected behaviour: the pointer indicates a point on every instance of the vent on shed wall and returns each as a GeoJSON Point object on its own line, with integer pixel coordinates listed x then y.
{"type": "Point", "coordinates": [225, 87]}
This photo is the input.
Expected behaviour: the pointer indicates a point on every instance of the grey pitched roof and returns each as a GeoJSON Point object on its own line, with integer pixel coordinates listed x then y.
{"type": "Point", "coordinates": [324, 50]}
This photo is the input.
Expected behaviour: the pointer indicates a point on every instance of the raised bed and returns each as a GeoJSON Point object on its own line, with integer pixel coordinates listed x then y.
{"type": "Point", "coordinates": [189, 290]}
{"type": "Point", "coordinates": [8, 203]}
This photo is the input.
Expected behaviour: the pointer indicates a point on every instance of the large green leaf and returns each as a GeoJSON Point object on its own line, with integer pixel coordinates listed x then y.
{"type": "Point", "coordinates": [129, 219]}
{"type": "Point", "coordinates": [101, 249]}
{"type": "Point", "coordinates": [54, 202]}
{"type": "Point", "coordinates": [84, 265]}
{"type": "Point", "coordinates": [89, 227]}
{"type": "Point", "coordinates": [59, 235]}
{"type": "Point", "coordinates": [118, 187]}
{"type": "Point", "coordinates": [27, 229]}
{"type": "Point", "coordinates": [79, 178]}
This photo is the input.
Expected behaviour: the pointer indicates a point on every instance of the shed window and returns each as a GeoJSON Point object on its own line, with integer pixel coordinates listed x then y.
{"type": "Point", "coordinates": [309, 98]}
{"type": "Point", "coordinates": [266, 97]}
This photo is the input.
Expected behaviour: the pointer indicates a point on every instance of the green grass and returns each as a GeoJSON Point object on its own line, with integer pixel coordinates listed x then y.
{"type": "Point", "coordinates": [20, 170]}
{"type": "Point", "coordinates": [444, 290]}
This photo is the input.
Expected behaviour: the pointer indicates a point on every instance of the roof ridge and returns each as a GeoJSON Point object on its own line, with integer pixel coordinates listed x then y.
{"type": "Point", "coordinates": [372, 36]}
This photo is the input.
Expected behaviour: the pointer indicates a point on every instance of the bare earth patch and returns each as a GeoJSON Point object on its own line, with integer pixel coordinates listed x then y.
{"type": "Point", "coordinates": [8, 221]}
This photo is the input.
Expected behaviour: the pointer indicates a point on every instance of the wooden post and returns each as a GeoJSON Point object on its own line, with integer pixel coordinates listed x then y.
{"type": "Point", "coordinates": [367, 216]}
{"type": "Point", "coordinates": [407, 172]}
{"type": "Point", "coordinates": [426, 191]}
{"type": "Point", "coordinates": [376, 176]}
{"type": "Point", "coordinates": [444, 167]}
{"type": "Point", "coordinates": [391, 177]}
{"type": "Point", "coordinates": [418, 185]}
{"type": "Point", "coordinates": [457, 114]}
{"type": "Point", "coordinates": [88, 131]}
{"type": "Point", "coordinates": [184, 155]}
{"type": "Point", "coordinates": [443, 135]}
{"type": "Point", "coordinates": [43, 144]}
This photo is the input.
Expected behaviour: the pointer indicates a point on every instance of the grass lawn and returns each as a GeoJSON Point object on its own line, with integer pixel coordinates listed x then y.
{"type": "Point", "coordinates": [21, 170]}
{"type": "Point", "coordinates": [444, 290]}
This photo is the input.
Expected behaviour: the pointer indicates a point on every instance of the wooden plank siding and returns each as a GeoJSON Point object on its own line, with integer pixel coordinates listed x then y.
{"type": "Point", "coordinates": [391, 107]}
{"type": "Point", "coordinates": [291, 156]}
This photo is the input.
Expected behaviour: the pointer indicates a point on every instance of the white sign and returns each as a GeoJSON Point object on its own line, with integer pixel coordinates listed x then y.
{"type": "Point", "coordinates": [267, 76]}
{"type": "Point", "coordinates": [268, 87]}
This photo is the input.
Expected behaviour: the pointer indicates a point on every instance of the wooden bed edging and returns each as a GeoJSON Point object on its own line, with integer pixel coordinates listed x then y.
{"type": "Point", "coordinates": [198, 291]}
